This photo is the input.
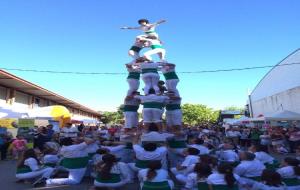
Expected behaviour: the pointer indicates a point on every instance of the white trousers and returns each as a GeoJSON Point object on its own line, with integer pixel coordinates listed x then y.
{"type": "Point", "coordinates": [45, 172]}
{"type": "Point", "coordinates": [131, 119]}
{"type": "Point", "coordinates": [160, 51]}
{"type": "Point", "coordinates": [151, 81]}
{"type": "Point", "coordinates": [152, 115]}
{"type": "Point", "coordinates": [174, 117]}
{"type": "Point", "coordinates": [75, 177]}
{"type": "Point", "coordinates": [172, 86]}
{"type": "Point", "coordinates": [133, 86]}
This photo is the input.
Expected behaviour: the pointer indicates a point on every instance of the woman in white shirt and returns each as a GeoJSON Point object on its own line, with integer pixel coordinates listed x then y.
{"type": "Point", "coordinates": [154, 173]}
{"type": "Point", "coordinates": [261, 154]}
{"type": "Point", "coordinates": [111, 173]}
{"type": "Point", "coordinates": [290, 168]}
{"type": "Point", "coordinates": [29, 168]}
{"type": "Point", "coordinates": [200, 174]}
{"type": "Point", "coordinates": [224, 176]}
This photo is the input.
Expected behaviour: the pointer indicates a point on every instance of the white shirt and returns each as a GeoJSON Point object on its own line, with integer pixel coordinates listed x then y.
{"type": "Point", "coordinates": [247, 168]}
{"type": "Point", "coordinates": [148, 27]}
{"type": "Point", "coordinates": [229, 156]}
{"type": "Point", "coordinates": [74, 151]}
{"type": "Point", "coordinates": [50, 158]}
{"type": "Point", "coordinates": [161, 175]}
{"type": "Point", "coordinates": [287, 172]}
{"type": "Point", "coordinates": [122, 169]}
{"type": "Point", "coordinates": [151, 65]}
{"type": "Point", "coordinates": [142, 154]}
{"type": "Point", "coordinates": [69, 132]}
{"type": "Point", "coordinates": [92, 148]}
{"type": "Point", "coordinates": [118, 150]}
{"type": "Point", "coordinates": [264, 157]}
{"type": "Point", "coordinates": [203, 149]}
{"type": "Point", "coordinates": [156, 136]}
{"type": "Point", "coordinates": [32, 163]}
{"type": "Point", "coordinates": [152, 98]}
{"type": "Point", "coordinates": [167, 69]}
{"type": "Point", "coordinates": [192, 181]}
{"type": "Point", "coordinates": [189, 160]}
{"type": "Point", "coordinates": [97, 158]}
{"type": "Point", "coordinates": [132, 102]}
{"type": "Point", "coordinates": [218, 179]}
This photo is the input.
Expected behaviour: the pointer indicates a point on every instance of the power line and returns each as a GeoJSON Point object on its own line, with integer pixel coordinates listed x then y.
{"type": "Point", "coordinates": [124, 73]}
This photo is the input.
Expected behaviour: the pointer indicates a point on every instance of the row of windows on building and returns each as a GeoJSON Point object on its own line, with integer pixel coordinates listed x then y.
{"type": "Point", "coordinates": [22, 100]}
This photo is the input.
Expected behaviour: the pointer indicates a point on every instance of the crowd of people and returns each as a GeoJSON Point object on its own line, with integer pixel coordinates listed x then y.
{"type": "Point", "coordinates": [182, 157]}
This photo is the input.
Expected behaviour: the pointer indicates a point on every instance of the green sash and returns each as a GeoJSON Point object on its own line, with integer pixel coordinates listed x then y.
{"type": "Point", "coordinates": [156, 46]}
{"type": "Point", "coordinates": [291, 181]}
{"type": "Point", "coordinates": [115, 178]}
{"type": "Point", "coordinates": [142, 163]}
{"type": "Point", "coordinates": [90, 155]}
{"type": "Point", "coordinates": [24, 169]}
{"type": "Point", "coordinates": [156, 105]}
{"type": "Point", "coordinates": [164, 185]}
{"type": "Point", "coordinates": [134, 75]}
{"type": "Point", "coordinates": [75, 163]}
{"type": "Point", "coordinates": [225, 187]}
{"type": "Point", "coordinates": [273, 166]}
{"type": "Point", "coordinates": [52, 165]}
{"type": "Point", "coordinates": [129, 145]}
{"type": "Point", "coordinates": [158, 143]}
{"type": "Point", "coordinates": [203, 186]}
{"type": "Point", "coordinates": [130, 108]}
{"type": "Point", "coordinates": [171, 107]}
{"type": "Point", "coordinates": [177, 144]}
{"type": "Point", "coordinates": [149, 32]}
{"type": "Point", "coordinates": [171, 75]}
{"type": "Point", "coordinates": [258, 178]}
{"type": "Point", "coordinates": [135, 48]}
{"type": "Point", "coordinates": [149, 70]}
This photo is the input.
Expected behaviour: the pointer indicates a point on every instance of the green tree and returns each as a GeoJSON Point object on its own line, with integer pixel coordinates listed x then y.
{"type": "Point", "coordinates": [113, 117]}
{"type": "Point", "coordinates": [234, 108]}
{"type": "Point", "coordinates": [198, 114]}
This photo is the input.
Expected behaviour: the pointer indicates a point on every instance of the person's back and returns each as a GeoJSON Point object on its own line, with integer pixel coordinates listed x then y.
{"type": "Point", "coordinates": [249, 167]}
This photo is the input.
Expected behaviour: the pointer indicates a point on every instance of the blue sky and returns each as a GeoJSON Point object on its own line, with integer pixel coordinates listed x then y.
{"type": "Point", "coordinates": [84, 35]}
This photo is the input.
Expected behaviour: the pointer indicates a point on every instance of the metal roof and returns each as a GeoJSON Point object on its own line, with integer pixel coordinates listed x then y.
{"type": "Point", "coordinates": [12, 81]}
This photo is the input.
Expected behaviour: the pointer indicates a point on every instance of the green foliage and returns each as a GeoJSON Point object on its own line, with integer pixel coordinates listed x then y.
{"type": "Point", "coordinates": [112, 117]}
{"type": "Point", "coordinates": [198, 114]}
{"type": "Point", "coordinates": [234, 108]}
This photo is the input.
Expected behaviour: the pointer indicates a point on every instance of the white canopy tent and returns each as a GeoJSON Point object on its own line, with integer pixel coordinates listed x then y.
{"type": "Point", "coordinates": [9, 113]}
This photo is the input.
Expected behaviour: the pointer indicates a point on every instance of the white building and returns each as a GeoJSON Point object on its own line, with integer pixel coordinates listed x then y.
{"type": "Point", "coordinates": [21, 95]}
{"type": "Point", "coordinates": [279, 89]}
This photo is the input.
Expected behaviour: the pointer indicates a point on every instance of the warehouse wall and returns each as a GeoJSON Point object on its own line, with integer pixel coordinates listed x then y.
{"type": "Point", "coordinates": [287, 100]}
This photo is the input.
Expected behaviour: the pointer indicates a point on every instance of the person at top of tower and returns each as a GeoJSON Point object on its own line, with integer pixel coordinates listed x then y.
{"type": "Point", "coordinates": [146, 26]}
{"type": "Point", "coordinates": [156, 48]}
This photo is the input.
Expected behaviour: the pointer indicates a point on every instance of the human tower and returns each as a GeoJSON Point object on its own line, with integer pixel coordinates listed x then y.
{"type": "Point", "coordinates": [157, 97]}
